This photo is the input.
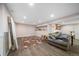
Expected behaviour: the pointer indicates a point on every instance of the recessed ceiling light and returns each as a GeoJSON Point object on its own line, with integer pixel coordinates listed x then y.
{"type": "Point", "coordinates": [52, 15]}
{"type": "Point", "coordinates": [24, 17]}
{"type": "Point", "coordinates": [31, 4]}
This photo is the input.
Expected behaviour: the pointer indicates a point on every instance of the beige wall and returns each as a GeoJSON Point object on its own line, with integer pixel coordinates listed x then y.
{"type": "Point", "coordinates": [40, 33]}
{"type": "Point", "coordinates": [72, 27]}
{"type": "Point", "coordinates": [24, 30]}
{"type": "Point", "coordinates": [67, 29]}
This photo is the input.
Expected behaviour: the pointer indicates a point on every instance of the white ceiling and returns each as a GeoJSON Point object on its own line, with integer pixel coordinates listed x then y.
{"type": "Point", "coordinates": [40, 12]}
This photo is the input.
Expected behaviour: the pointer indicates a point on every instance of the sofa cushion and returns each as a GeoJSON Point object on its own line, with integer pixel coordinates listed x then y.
{"type": "Point", "coordinates": [60, 42]}
{"type": "Point", "coordinates": [63, 36]}
{"type": "Point", "coordinates": [56, 34]}
{"type": "Point", "coordinates": [52, 37]}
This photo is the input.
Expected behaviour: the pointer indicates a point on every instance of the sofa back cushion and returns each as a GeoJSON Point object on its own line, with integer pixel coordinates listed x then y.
{"type": "Point", "coordinates": [51, 36]}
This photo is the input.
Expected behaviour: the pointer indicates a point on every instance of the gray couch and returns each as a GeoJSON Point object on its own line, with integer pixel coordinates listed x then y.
{"type": "Point", "coordinates": [60, 40]}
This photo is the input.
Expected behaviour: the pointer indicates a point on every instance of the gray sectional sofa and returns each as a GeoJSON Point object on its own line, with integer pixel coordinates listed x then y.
{"type": "Point", "coordinates": [60, 40]}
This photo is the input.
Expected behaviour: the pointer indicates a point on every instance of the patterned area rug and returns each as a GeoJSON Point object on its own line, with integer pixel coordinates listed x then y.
{"type": "Point", "coordinates": [30, 41]}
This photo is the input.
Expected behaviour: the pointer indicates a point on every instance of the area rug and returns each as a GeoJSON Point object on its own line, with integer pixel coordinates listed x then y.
{"type": "Point", "coordinates": [30, 41]}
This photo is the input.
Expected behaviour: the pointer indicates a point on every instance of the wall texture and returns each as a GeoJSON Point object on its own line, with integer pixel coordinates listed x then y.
{"type": "Point", "coordinates": [24, 30]}
{"type": "Point", "coordinates": [72, 27]}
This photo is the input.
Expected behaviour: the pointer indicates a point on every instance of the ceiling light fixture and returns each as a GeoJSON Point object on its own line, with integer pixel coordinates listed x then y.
{"type": "Point", "coordinates": [24, 17]}
{"type": "Point", "coordinates": [31, 4]}
{"type": "Point", "coordinates": [52, 15]}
